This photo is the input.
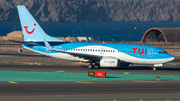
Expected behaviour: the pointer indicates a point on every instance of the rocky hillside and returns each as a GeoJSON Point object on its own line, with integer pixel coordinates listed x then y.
{"type": "Point", "coordinates": [93, 10]}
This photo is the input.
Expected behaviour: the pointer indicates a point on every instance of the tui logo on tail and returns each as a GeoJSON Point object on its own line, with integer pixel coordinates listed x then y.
{"type": "Point", "coordinates": [30, 31]}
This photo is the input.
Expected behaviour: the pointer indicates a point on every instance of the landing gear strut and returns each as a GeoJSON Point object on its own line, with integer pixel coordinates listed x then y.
{"type": "Point", "coordinates": [96, 66]}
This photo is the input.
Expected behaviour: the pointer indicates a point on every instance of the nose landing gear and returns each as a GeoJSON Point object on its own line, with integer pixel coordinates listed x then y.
{"type": "Point", "coordinates": [157, 65]}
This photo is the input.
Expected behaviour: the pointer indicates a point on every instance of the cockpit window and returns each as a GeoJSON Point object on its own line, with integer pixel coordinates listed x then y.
{"type": "Point", "coordinates": [162, 52]}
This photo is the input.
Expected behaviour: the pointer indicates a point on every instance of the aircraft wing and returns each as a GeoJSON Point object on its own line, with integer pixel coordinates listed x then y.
{"type": "Point", "coordinates": [85, 56]}
{"type": "Point", "coordinates": [80, 55]}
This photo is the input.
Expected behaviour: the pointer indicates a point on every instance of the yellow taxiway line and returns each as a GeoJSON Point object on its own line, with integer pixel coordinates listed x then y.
{"type": "Point", "coordinates": [126, 73]}
{"type": "Point", "coordinates": [60, 71]}
{"type": "Point", "coordinates": [83, 82]}
{"type": "Point", "coordinates": [13, 82]}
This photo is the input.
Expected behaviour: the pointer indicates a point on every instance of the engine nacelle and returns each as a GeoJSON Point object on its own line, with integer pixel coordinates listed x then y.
{"type": "Point", "coordinates": [109, 62]}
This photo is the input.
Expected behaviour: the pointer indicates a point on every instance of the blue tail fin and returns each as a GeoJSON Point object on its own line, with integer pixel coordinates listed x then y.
{"type": "Point", "coordinates": [31, 29]}
{"type": "Point", "coordinates": [88, 40]}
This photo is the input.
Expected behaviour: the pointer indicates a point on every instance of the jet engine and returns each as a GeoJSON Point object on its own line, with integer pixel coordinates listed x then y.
{"type": "Point", "coordinates": [109, 62]}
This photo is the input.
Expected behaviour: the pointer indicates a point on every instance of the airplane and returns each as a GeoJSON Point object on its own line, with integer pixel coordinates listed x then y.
{"type": "Point", "coordinates": [96, 54]}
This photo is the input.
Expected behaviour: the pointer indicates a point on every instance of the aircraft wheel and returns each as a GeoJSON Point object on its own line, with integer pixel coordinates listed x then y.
{"type": "Point", "coordinates": [96, 66]}
{"type": "Point", "coordinates": [90, 66]}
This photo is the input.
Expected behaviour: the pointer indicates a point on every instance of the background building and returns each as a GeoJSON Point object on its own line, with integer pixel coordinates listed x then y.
{"type": "Point", "coordinates": [162, 35]}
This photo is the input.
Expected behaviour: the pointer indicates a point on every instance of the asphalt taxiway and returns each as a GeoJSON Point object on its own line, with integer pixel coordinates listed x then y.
{"type": "Point", "coordinates": [96, 91]}
{"type": "Point", "coordinates": [129, 90]}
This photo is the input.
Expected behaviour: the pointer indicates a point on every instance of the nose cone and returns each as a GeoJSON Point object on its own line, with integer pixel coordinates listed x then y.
{"type": "Point", "coordinates": [170, 57]}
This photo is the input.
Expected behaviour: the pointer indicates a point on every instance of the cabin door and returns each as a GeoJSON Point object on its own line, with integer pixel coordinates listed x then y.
{"type": "Point", "coordinates": [150, 53]}
{"type": "Point", "coordinates": [101, 51]}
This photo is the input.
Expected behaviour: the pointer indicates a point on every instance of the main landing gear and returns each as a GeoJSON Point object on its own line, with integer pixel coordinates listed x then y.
{"type": "Point", "coordinates": [90, 66]}
{"type": "Point", "coordinates": [93, 65]}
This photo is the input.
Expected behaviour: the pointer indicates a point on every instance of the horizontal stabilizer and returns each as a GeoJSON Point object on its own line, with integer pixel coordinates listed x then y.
{"type": "Point", "coordinates": [26, 43]}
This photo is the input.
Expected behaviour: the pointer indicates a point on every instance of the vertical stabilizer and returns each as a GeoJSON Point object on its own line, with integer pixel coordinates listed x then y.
{"type": "Point", "coordinates": [88, 40]}
{"type": "Point", "coordinates": [31, 29]}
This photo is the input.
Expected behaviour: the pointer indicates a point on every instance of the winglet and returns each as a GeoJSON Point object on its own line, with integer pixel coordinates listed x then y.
{"type": "Point", "coordinates": [48, 46]}
{"type": "Point", "coordinates": [88, 40]}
